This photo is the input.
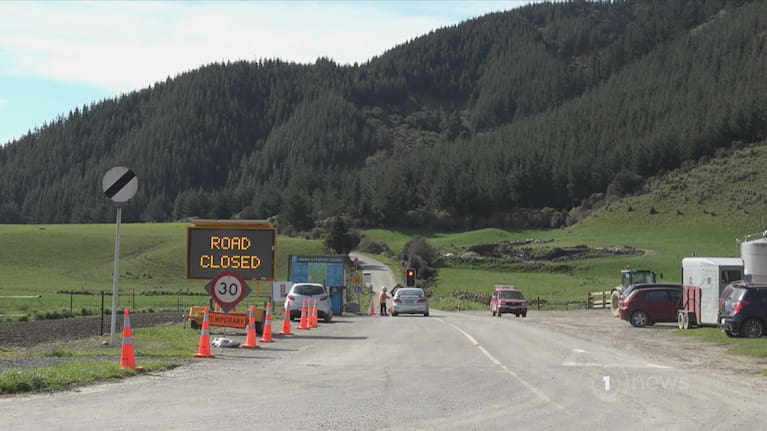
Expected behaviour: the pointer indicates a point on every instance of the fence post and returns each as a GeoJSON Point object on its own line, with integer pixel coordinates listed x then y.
{"type": "Point", "coordinates": [539, 303]}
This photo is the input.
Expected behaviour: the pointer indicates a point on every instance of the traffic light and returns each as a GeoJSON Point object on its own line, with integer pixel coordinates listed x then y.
{"type": "Point", "coordinates": [410, 277]}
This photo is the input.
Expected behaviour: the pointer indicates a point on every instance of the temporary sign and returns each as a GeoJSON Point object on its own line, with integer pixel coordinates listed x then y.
{"type": "Point", "coordinates": [230, 320]}
{"type": "Point", "coordinates": [247, 248]}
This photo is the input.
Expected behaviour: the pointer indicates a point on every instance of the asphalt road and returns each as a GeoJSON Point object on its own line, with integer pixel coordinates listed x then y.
{"type": "Point", "coordinates": [451, 371]}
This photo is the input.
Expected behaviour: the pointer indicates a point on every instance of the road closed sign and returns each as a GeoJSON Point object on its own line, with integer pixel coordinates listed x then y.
{"type": "Point", "coordinates": [247, 249]}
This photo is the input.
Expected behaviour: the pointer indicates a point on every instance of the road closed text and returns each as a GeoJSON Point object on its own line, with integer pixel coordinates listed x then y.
{"type": "Point", "coordinates": [229, 262]}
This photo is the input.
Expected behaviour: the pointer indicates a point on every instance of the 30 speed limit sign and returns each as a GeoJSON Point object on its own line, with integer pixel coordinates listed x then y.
{"type": "Point", "coordinates": [228, 289]}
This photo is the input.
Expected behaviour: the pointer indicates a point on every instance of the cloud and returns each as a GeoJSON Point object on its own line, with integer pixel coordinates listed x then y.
{"type": "Point", "coordinates": [123, 46]}
{"type": "Point", "coordinates": [3, 101]}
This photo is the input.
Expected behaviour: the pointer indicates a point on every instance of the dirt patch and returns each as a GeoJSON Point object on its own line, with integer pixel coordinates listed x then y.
{"type": "Point", "coordinates": [30, 333]}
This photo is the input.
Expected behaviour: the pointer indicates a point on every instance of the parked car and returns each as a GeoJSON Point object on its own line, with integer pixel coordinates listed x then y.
{"type": "Point", "coordinates": [651, 304]}
{"type": "Point", "coordinates": [310, 291]}
{"type": "Point", "coordinates": [410, 300]}
{"type": "Point", "coordinates": [743, 309]}
{"type": "Point", "coordinates": [508, 300]}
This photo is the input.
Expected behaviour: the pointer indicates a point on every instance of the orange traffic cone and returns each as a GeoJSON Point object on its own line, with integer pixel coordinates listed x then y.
{"type": "Point", "coordinates": [315, 322]}
{"type": "Point", "coordinates": [250, 337]}
{"type": "Point", "coordinates": [127, 358]}
{"type": "Point", "coordinates": [304, 322]}
{"type": "Point", "coordinates": [372, 308]}
{"type": "Point", "coordinates": [286, 323]}
{"type": "Point", "coordinates": [267, 337]}
{"type": "Point", "coordinates": [203, 349]}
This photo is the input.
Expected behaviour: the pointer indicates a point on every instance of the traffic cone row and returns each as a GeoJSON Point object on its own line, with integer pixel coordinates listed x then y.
{"type": "Point", "coordinates": [203, 349]}
{"type": "Point", "coordinates": [309, 319]}
{"type": "Point", "coordinates": [127, 356]}
{"type": "Point", "coordinates": [250, 336]}
{"type": "Point", "coordinates": [286, 323]}
{"type": "Point", "coordinates": [267, 337]}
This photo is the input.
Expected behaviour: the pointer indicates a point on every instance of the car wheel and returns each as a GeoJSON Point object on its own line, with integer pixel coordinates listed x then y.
{"type": "Point", "coordinates": [524, 314]}
{"type": "Point", "coordinates": [426, 314]}
{"type": "Point", "coordinates": [683, 320]}
{"type": "Point", "coordinates": [517, 314]}
{"type": "Point", "coordinates": [328, 317]}
{"type": "Point", "coordinates": [639, 319]}
{"type": "Point", "coordinates": [729, 334]}
{"type": "Point", "coordinates": [752, 328]}
{"type": "Point", "coordinates": [394, 314]}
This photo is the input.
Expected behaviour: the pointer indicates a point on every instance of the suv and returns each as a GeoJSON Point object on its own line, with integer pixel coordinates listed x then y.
{"type": "Point", "coordinates": [651, 304]}
{"type": "Point", "coordinates": [310, 291]}
{"type": "Point", "coordinates": [508, 299]}
{"type": "Point", "coordinates": [743, 309]}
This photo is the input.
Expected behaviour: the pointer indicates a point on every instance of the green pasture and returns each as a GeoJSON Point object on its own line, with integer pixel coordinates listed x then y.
{"type": "Point", "coordinates": [64, 268]}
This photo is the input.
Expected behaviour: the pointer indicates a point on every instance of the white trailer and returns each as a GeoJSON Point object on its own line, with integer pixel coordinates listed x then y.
{"type": "Point", "coordinates": [703, 280]}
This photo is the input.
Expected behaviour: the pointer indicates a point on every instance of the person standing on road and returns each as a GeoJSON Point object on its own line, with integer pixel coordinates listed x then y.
{"type": "Point", "coordinates": [382, 297]}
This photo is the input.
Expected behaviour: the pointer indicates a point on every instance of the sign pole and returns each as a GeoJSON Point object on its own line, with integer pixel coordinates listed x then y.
{"type": "Point", "coordinates": [115, 275]}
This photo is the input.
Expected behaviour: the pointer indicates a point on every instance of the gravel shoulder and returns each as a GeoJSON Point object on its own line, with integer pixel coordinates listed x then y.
{"type": "Point", "coordinates": [656, 342]}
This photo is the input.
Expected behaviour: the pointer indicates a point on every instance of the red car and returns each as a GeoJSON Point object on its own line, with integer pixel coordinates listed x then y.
{"type": "Point", "coordinates": [646, 306]}
{"type": "Point", "coordinates": [508, 299]}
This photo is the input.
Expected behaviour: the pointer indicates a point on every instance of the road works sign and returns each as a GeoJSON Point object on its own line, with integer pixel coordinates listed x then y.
{"type": "Point", "coordinates": [246, 247]}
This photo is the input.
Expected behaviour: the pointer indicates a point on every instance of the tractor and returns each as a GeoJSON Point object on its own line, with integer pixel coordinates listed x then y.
{"type": "Point", "coordinates": [628, 277]}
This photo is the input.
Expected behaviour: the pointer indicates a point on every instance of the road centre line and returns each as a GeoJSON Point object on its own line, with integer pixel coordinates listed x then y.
{"type": "Point", "coordinates": [498, 363]}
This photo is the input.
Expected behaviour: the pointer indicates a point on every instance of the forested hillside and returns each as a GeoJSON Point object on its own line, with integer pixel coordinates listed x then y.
{"type": "Point", "coordinates": [510, 119]}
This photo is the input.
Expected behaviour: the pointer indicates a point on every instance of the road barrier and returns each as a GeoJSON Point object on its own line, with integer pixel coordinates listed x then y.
{"type": "Point", "coordinates": [598, 299]}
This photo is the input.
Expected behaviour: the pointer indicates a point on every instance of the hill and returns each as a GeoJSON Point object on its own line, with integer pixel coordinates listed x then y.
{"type": "Point", "coordinates": [510, 120]}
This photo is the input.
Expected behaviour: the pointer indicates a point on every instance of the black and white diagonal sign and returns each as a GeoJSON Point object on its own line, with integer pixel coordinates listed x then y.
{"type": "Point", "coordinates": [119, 184]}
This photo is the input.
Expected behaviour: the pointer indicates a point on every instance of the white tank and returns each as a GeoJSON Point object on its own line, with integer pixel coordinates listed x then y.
{"type": "Point", "coordinates": [754, 254]}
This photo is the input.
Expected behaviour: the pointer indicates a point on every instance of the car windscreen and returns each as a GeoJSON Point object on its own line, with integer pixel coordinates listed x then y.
{"type": "Point", "coordinates": [307, 290]}
{"type": "Point", "coordinates": [409, 292]}
{"type": "Point", "coordinates": [510, 294]}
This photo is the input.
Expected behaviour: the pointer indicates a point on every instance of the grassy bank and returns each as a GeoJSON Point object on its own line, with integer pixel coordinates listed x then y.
{"type": "Point", "coordinates": [86, 361]}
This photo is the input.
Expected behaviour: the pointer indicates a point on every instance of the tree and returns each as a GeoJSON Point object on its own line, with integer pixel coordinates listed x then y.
{"type": "Point", "coordinates": [340, 239]}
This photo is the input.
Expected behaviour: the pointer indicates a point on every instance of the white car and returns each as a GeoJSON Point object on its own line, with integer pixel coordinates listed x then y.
{"type": "Point", "coordinates": [410, 300]}
{"type": "Point", "coordinates": [309, 291]}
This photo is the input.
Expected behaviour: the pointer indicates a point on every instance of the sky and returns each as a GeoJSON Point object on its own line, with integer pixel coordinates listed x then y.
{"type": "Point", "coordinates": [56, 56]}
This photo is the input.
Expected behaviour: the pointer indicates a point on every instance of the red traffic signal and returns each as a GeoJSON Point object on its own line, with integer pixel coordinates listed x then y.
{"type": "Point", "coordinates": [410, 277]}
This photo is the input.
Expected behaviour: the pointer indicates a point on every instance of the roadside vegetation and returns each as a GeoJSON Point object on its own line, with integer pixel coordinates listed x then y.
{"type": "Point", "coordinates": [67, 364]}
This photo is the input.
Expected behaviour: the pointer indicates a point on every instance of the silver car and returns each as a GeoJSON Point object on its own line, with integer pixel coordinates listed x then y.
{"type": "Point", "coordinates": [309, 291]}
{"type": "Point", "coordinates": [410, 300]}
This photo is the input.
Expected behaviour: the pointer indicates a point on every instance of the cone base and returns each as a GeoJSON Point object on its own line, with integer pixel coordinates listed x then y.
{"type": "Point", "coordinates": [202, 355]}
{"type": "Point", "coordinates": [244, 346]}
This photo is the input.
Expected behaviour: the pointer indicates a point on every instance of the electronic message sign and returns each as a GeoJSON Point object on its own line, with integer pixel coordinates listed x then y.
{"type": "Point", "coordinates": [245, 248]}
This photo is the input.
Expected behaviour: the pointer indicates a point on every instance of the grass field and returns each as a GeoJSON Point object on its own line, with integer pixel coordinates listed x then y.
{"type": "Point", "coordinates": [68, 266]}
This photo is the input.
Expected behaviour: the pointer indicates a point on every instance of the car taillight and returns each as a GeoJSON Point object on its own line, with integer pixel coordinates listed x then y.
{"type": "Point", "coordinates": [421, 300]}
{"type": "Point", "coordinates": [323, 297]}
{"type": "Point", "coordinates": [397, 300]}
{"type": "Point", "coordinates": [738, 307]}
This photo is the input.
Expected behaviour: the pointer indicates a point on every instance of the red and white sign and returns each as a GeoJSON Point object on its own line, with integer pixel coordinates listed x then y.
{"type": "Point", "coordinates": [227, 289]}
